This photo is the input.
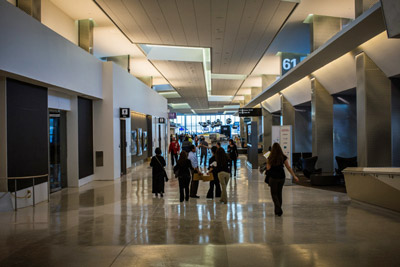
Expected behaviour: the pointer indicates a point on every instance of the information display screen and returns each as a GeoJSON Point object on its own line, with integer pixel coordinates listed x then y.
{"type": "Point", "coordinates": [250, 112]}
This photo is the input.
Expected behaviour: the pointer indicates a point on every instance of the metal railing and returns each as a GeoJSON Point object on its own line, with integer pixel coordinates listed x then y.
{"type": "Point", "coordinates": [33, 187]}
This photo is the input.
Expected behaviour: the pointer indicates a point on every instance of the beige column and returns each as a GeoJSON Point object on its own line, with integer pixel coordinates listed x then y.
{"type": "Point", "coordinates": [322, 28]}
{"type": "Point", "coordinates": [85, 34]}
{"type": "Point", "coordinates": [122, 61]}
{"type": "Point", "coordinates": [31, 7]}
{"type": "Point", "coordinates": [373, 114]}
{"type": "Point", "coordinates": [267, 80]}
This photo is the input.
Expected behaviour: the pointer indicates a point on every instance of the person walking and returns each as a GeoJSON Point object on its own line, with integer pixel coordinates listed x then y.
{"type": "Point", "coordinates": [215, 182]}
{"type": "Point", "coordinates": [203, 150]}
{"type": "Point", "coordinates": [184, 169]}
{"type": "Point", "coordinates": [194, 185]}
{"type": "Point", "coordinates": [223, 172]}
{"type": "Point", "coordinates": [186, 144]}
{"type": "Point", "coordinates": [158, 163]}
{"type": "Point", "coordinates": [275, 163]}
{"type": "Point", "coordinates": [233, 155]}
{"type": "Point", "coordinates": [174, 149]}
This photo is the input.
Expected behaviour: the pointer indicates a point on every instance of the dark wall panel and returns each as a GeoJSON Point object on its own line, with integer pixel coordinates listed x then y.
{"type": "Point", "coordinates": [27, 132]}
{"type": "Point", "coordinates": [303, 130]}
{"type": "Point", "coordinates": [395, 122]}
{"type": "Point", "coordinates": [85, 137]}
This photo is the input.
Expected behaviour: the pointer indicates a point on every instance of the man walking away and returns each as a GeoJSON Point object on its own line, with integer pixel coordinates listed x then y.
{"type": "Point", "coordinates": [203, 150]}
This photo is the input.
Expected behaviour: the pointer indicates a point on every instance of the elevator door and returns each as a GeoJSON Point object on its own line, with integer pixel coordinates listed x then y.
{"type": "Point", "coordinates": [55, 152]}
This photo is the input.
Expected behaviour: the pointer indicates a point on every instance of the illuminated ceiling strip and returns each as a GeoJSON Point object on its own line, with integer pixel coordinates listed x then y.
{"type": "Point", "coordinates": [228, 76]}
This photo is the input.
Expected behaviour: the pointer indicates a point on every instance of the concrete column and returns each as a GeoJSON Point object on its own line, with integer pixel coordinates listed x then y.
{"type": "Point", "coordinates": [267, 80]}
{"type": "Point", "coordinates": [322, 125]}
{"type": "Point", "coordinates": [3, 135]}
{"type": "Point", "coordinates": [391, 12]}
{"type": "Point", "coordinates": [72, 144]}
{"type": "Point", "coordinates": [360, 6]}
{"type": "Point", "coordinates": [288, 117]}
{"type": "Point", "coordinates": [147, 80]}
{"type": "Point", "coordinates": [254, 92]}
{"type": "Point", "coordinates": [31, 7]}
{"type": "Point", "coordinates": [373, 114]}
{"type": "Point", "coordinates": [122, 61]}
{"type": "Point", "coordinates": [85, 34]}
{"type": "Point", "coordinates": [322, 29]}
{"type": "Point", "coordinates": [267, 129]}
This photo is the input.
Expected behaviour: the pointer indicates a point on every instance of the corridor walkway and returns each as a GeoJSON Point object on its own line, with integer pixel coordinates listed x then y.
{"type": "Point", "coordinates": [121, 223]}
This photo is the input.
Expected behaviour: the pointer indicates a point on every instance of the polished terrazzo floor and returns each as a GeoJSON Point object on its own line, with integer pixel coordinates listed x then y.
{"type": "Point", "coordinates": [121, 223]}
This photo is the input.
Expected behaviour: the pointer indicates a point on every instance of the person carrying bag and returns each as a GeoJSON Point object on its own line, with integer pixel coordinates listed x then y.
{"type": "Point", "coordinates": [159, 175]}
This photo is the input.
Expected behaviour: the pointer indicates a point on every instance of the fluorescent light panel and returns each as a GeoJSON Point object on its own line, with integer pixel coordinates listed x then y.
{"type": "Point", "coordinates": [179, 105]}
{"type": "Point", "coordinates": [220, 98]}
{"type": "Point", "coordinates": [172, 94]}
{"type": "Point", "coordinates": [228, 76]}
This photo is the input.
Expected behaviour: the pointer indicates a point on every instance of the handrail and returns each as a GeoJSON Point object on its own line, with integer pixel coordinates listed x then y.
{"type": "Point", "coordinates": [26, 177]}
{"type": "Point", "coordinates": [33, 177]}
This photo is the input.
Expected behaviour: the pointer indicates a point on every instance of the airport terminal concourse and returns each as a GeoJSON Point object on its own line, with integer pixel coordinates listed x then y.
{"type": "Point", "coordinates": [199, 133]}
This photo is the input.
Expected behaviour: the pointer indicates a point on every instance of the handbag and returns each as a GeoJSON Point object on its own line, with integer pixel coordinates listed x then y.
{"type": "Point", "coordinates": [267, 176]}
{"type": "Point", "coordinates": [263, 167]}
{"type": "Point", "coordinates": [165, 173]}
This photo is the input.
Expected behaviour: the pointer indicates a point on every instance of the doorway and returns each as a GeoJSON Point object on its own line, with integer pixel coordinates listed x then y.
{"type": "Point", "coordinates": [58, 150]}
{"type": "Point", "coordinates": [123, 145]}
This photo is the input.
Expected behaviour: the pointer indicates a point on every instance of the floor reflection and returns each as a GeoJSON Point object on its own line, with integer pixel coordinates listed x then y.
{"type": "Point", "coordinates": [121, 222]}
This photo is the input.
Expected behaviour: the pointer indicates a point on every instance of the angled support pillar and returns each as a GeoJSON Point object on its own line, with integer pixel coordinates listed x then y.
{"type": "Point", "coordinates": [322, 125]}
{"type": "Point", "coordinates": [254, 92]}
{"type": "Point", "coordinates": [373, 114]}
{"type": "Point", "coordinates": [267, 129]}
{"type": "Point", "coordinates": [288, 117]}
{"type": "Point", "coordinates": [267, 80]}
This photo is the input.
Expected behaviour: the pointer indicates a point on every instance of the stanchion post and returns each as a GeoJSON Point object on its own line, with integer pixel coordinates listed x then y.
{"type": "Point", "coordinates": [33, 191]}
{"type": "Point", "coordinates": [15, 193]}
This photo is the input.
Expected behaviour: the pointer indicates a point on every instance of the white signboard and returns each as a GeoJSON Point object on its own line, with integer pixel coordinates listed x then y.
{"type": "Point", "coordinates": [286, 144]}
{"type": "Point", "coordinates": [276, 134]}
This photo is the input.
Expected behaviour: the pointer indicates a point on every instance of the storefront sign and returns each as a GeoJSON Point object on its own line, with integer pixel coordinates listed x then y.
{"type": "Point", "coordinates": [124, 113]}
{"type": "Point", "coordinates": [172, 115]}
{"type": "Point", "coordinates": [250, 112]}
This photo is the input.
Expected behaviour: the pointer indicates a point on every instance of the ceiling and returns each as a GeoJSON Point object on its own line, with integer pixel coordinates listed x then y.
{"type": "Point", "coordinates": [238, 33]}
{"type": "Point", "coordinates": [243, 37]}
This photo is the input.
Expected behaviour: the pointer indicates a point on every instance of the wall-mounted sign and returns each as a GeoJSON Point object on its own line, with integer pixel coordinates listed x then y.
{"type": "Point", "coordinates": [161, 120]}
{"type": "Point", "coordinates": [290, 60]}
{"type": "Point", "coordinates": [124, 113]}
{"type": "Point", "coordinates": [250, 112]}
{"type": "Point", "coordinates": [172, 115]}
{"type": "Point", "coordinates": [246, 120]}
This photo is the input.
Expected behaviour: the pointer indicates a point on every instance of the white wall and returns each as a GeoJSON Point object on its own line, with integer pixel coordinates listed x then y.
{"type": "Point", "coordinates": [58, 21]}
{"type": "Point", "coordinates": [58, 100]}
{"type": "Point", "coordinates": [30, 49]}
{"type": "Point", "coordinates": [121, 89]}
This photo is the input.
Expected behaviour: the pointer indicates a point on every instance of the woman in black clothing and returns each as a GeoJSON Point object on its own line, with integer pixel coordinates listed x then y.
{"type": "Point", "coordinates": [184, 169]}
{"type": "Point", "coordinates": [215, 182]}
{"type": "Point", "coordinates": [233, 155]}
{"type": "Point", "coordinates": [275, 162]}
{"type": "Point", "coordinates": [158, 163]}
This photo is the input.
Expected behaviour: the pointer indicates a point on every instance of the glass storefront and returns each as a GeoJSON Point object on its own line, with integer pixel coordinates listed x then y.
{"type": "Point", "coordinates": [190, 123]}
